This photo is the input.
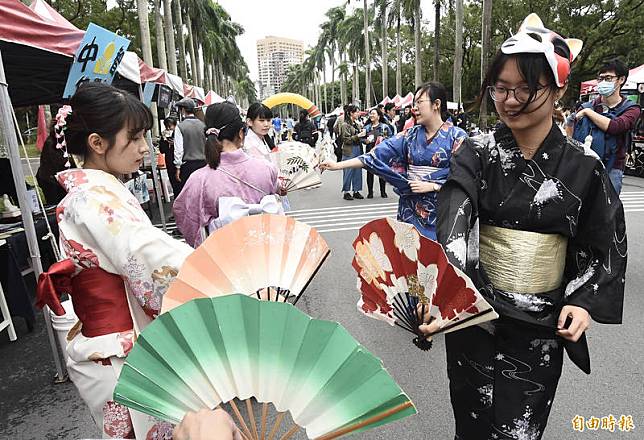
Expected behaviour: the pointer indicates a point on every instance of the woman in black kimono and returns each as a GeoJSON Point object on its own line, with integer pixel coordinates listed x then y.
{"type": "Point", "coordinates": [549, 252]}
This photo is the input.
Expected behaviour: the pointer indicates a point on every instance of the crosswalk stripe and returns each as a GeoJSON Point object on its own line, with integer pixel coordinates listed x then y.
{"type": "Point", "coordinates": [298, 212]}
{"type": "Point", "coordinates": [358, 226]}
{"type": "Point", "coordinates": [348, 214]}
{"type": "Point", "coordinates": [333, 221]}
{"type": "Point", "coordinates": [353, 217]}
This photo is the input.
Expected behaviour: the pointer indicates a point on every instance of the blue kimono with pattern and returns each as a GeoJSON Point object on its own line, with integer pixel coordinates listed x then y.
{"type": "Point", "coordinates": [409, 156]}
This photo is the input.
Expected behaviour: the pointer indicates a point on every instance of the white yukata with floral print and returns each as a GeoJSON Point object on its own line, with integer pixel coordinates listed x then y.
{"type": "Point", "coordinates": [102, 224]}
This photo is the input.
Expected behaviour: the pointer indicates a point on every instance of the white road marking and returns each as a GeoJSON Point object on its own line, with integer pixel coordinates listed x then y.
{"type": "Point", "coordinates": [351, 217]}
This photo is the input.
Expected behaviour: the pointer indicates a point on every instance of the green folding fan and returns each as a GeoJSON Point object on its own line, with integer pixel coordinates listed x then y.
{"type": "Point", "coordinates": [212, 351]}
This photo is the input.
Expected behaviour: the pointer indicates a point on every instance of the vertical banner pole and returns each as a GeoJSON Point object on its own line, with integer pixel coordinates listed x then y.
{"type": "Point", "coordinates": [9, 130]}
{"type": "Point", "coordinates": [155, 173]}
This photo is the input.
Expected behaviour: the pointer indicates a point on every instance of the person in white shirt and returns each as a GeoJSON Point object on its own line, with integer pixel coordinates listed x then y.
{"type": "Point", "coordinates": [258, 119]}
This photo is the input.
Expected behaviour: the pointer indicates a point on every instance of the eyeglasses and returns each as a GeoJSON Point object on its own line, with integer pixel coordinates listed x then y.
{"type": "Point", "coordinates": [521, 94]}
{"type": "Point", "coordinates": [609, 78]}
{"type": "Point", "coordinates": [420, 101]}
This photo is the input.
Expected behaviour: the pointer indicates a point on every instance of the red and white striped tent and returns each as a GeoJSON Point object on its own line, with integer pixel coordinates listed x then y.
{"type": "Point", "coordinates": [406, 101]}
{"type": "Point", "coordinates": [194, 92]}
{"type": "Point", "coordinates": [38, 46]}
{"type": "Point", "coordinates": [213, 98]}
{"type": "Point", "coordinates": [385, 101]}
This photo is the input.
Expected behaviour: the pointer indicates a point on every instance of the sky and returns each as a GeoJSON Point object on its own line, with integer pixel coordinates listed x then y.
{"type": "Point", "coordinates": [297, 19]}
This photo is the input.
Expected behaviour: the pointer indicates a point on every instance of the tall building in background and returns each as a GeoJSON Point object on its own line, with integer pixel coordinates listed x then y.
{"type": "Point", "coordinates": [274, 56]}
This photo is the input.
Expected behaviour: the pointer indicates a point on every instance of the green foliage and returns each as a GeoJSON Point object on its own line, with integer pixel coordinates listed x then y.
{"type": "Point", "coordinates": [213, 30]}
{"type": "Point", "coordinates": [609, 28]}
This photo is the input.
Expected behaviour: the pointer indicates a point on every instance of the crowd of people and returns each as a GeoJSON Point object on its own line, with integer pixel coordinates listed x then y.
{"type": "Point", "coordinates": [548, 227]}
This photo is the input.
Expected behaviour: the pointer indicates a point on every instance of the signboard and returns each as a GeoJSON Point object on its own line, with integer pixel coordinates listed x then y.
{"type": "Point", "coordinates": [96, 59]}
{"type": "Point", "coordinates": [148, 93]}
{"type": "Point", "coordinates": [165, 96]}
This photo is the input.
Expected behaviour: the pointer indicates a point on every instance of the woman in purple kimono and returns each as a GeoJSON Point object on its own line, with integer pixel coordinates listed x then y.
{"type": "Point", "coordinates": [230, 173]}
{"type": "Point", "coordinates": [415, 163]}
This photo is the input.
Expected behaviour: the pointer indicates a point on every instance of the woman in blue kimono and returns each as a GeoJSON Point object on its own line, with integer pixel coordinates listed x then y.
{"type": "Point", "coordinates": [415, 163]}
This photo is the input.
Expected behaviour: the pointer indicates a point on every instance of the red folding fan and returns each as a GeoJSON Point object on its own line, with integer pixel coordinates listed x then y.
{"type": "Point", "coordinates": [403, 275]}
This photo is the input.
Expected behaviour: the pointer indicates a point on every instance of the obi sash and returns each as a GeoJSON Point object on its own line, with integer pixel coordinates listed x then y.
{"type": "Point", "coordinates": [99, 297]}
{"type": "Point", "coordinates": [522, 261]}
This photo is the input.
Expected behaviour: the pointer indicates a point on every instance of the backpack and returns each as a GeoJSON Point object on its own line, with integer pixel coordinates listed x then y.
{"type": "Point", "coordinates": [604, 144]}
{"type": "Point", "coordinates": [305, 132]}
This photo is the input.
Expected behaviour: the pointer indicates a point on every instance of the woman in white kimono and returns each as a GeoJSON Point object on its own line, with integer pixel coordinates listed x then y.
{"type": "Point", "coordinates": [257, 142]}
{"type": "Point", "coordinates": [118, 264]}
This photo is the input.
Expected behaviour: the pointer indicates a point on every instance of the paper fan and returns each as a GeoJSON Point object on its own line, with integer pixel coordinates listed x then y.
{"type": "Point", "coordinates": [210, 351]}
{"type": "Point", "coordinates": [272, 254]}
{"type": "Point", "coordinates": [297, 165]}
{"type": "Point", "coordinates": [325, 150]}
{"type": "Point", "coordinates": [400, 271]}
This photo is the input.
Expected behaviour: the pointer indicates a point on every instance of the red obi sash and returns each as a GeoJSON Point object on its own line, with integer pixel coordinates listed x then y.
{"type": "Point", "coordinates": [99, 297]}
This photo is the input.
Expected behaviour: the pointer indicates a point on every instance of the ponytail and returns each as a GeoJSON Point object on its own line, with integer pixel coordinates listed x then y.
{"type": "Point", "coordinates": [213, 151]}
{"type": "Point", "coordinates": [224, 123]}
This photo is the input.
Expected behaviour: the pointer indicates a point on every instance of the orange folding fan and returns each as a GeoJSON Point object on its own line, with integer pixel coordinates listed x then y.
{"type": "Point", "coordinates": [272, 254]}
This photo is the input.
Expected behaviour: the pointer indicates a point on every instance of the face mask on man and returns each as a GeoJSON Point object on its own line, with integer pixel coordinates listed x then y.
{"type": "Point", "coordinates": [606, 88]}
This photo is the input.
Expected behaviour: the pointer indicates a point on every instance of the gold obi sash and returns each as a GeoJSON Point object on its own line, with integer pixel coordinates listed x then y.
{"type": "Point", "coordinates": [522, 261]}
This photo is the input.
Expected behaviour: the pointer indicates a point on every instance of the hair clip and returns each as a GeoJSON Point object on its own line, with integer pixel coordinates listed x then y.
{"type": "Point", "coordinates": [213, 131]}
{"type": "Point", "coordinates": [59, 130]}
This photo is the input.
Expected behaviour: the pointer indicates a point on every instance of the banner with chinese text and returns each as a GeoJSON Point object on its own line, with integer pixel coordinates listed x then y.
{"type": "Point", "coordinates": [96, 59]}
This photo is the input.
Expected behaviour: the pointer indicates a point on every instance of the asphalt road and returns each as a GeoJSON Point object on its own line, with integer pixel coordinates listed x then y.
{"type": "Point", "coordinates": [32, 407]}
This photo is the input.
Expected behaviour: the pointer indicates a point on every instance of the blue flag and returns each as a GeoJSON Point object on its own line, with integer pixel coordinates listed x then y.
{"type": "Point", "coordinates": [96, 59]}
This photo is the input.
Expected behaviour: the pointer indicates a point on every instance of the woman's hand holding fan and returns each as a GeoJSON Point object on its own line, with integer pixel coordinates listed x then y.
{"type": "Point", "coordinates": [297, 165]}
{"type": "Point", "coordinates": [406, 280]}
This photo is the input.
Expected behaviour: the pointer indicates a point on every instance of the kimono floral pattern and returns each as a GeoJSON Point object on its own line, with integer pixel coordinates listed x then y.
{"type": "Point", "coordinates": [393, 260]}
{"type": "Point", "coordinates": [116, 420]}
{"type": "Point", "coordinates": [102, 225]}
{"type": "Point", "coordinates": [410, 156]}
{"type": "Point", "coordinates": [84, 258]}
{"type": "Point", "coordinates": [560, 190]}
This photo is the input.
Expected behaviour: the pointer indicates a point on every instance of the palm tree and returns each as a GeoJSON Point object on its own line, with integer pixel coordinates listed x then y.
{"type": "Point", "coordinates": [457, 73]}
{"type": "Point", "coordinates": [437, 37]}
{"type": "Point", "coordinates": [182, 48]}
{"type": "Point", "coordinates": [320, 63]}
{"type": "Point", "coordinates": [144, 27]}
{"type": "Point", "coordinates": [410, 10]}
{"type": "Point", "coordinates": [160, 40]}
{"type": "Point", "coordinates": [343, 69]}
{"type": "Point", "coordinates": [191, 48]}
{"type": "Point", "coordinates": [352, 37]}
{"type": "Point", "coordinates": [335, 18]}
{"type": "Point", "coordinates": [367, 57]}
{"type": "Point", "coordinates": [418, 77]}
{"type": "Point", "coordinates": [397, 17]}
{"type": "Point", "coordinates": [169, 36]}
{"type": "Point", "coordinates": [486, 34]}
{"type": "Point", "coordinates": [146, 47]}
{"type": "Point", "coordinates": [382, 21]}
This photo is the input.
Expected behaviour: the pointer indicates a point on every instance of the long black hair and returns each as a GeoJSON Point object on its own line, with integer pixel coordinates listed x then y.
{"type": "Point", "coordinates": [225, 118]}
{"type": "Point", "coordinates": [434, 91]}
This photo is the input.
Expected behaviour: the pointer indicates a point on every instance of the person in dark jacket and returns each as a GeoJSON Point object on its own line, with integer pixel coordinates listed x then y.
{"type": "Point", "coordinates": [305, 130]}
